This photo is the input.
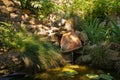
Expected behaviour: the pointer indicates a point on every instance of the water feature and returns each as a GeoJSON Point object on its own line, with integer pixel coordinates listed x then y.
{"type": "Point", "coordinates": [73, 72]}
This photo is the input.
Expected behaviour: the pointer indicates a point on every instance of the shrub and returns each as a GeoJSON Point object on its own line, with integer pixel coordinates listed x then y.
{"type": "Point", "coordinates": [41, 8]}
{"type": "Point", "coordinates": [100, 57]}
{"type": "Point", "coordinates": [90, 8]}
{"type": "Point", "coordinates": [114, 32]}
{"type": "Point", "coordinates": [40, 55]}
{"type": "Point", "coordinates": [8, 37]}
{"type": "Point", "coordinates": [95, 32]}
{"type": "Point", "coordinates": [37, 55]}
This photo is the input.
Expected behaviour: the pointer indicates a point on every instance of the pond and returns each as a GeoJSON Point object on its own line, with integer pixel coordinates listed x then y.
{"type": "Point", "coordinates": [73, 72]}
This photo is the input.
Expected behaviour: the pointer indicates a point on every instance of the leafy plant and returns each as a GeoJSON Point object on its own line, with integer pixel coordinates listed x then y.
{"type": "Point", "coordinates": [23, 3]}
{"type": "Point", "coordinates": [99, 9]}
{"type": "Point", "coordinates": [90, 8]}
{"type": "Point", "coordinates": [115, 31]}
{"type": "Point", "coordinates": [99, 77]}
{"type": "Point", "coordinates": [40, 55]}
{"type": "Point", "coordinates": [8, 36]}
{"type": "Point", "coordinates": [100, 55]}
{"type": "Point", "coordinates": [105, 76]}
{"type": "Point", "coordinates": [41, 8]}
{"type": "Point", "coordinates": [95, 32]}
{"type": "Point", "coordinates": [37, 55]}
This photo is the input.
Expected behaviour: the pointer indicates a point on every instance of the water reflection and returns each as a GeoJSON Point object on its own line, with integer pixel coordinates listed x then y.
{"type": "Point", "coordinates": [74, 72]}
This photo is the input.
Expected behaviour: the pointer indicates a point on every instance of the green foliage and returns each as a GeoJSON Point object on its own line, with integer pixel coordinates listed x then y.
{"type": "Point", "coordinates": [37, 55]}
{"type": "Point", "coordinates": [102, 7]}
{"type": "Point", "coordinates": [90, 8]}
{"type": "Point", "coordinates": [68, 7]}
{"type": "Point", "coordinates": [41, 55]}
{"type": "Point", "coordinates": [105, 77]}
{"type": "Point", "coordinates": [100, 55]}
{"type": "Point", "coordinates": [41, 8]}
{"type": "Point", "coordinates": [84, 8]}
{"type": "Point", "coordinates": [70, 73]}
{"type": "Point", "coordinates": [23, 3]}
{"type": "Point", "coordinates": [114, 32]}
{"type": "Point", "coordinates": [114, 6]}
{"type": "Point", "coordinates": [99, 77]}
{"type": "Point", "coordinates": [95, 32]}
{"type": "Point", "coordinates": [99, 9]}
{"type": "Point", "coordinates": [8, 36]}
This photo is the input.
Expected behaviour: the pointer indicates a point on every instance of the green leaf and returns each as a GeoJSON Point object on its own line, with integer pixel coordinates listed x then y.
{"type": "Point", "coordinates": [106, 77]}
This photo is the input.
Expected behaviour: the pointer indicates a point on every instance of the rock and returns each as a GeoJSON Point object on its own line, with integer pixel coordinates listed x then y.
{"type": "Point", "coordinates": [70, 42]}
{"type": "Point", "coordinates": [53, 38]}
{"type": "Point", "coordinates": [68, 57]}
{"type": "Point", "coordinates": [69, 25]}
{"type": "Point", "coordinates": [13, 15]}
{"type": "Point", "coordinates": [83, 37]}
{"type": "Point", "coordinates": [62, 22]}
{"type": "Point", "coordinates": [32, 21]}
{"type": "Point", "coordinates": [113, 55]}
{"type": "Point", "coordinates": [8, 3]}
{"type": "Point", "coordinates": [3, 10]}
{"type": "Point", "coordinates": [11, 9]}
{"type": "Point", "coordinates": [25, 18]}
{"type": "Point", "coordinates": [83, 59]}
{"type": "Point", "coordinates": [114, 46]}
{"type": "Point", "coordinates": [11, 62]}
{"type": "Point", "coordinates": [117, 66]}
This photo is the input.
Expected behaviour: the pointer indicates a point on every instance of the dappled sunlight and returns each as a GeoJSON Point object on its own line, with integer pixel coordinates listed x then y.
{"type": "Point", "coordinates": [72, 66]}
{"type": "Point", "coordinates": [75, 39]}
{"type": "Point", "coordinates": [72, 72]}
{"type": "Point", "coordinates": [68, 68]}
{"type": "Point", "coordinates": [81, 69]}
{"type": "Point", "coordinates": [27, 62]}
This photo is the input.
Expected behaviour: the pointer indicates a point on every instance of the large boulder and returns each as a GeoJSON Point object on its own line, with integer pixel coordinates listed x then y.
{"type": "Point", "coordinates": [70, 42]}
